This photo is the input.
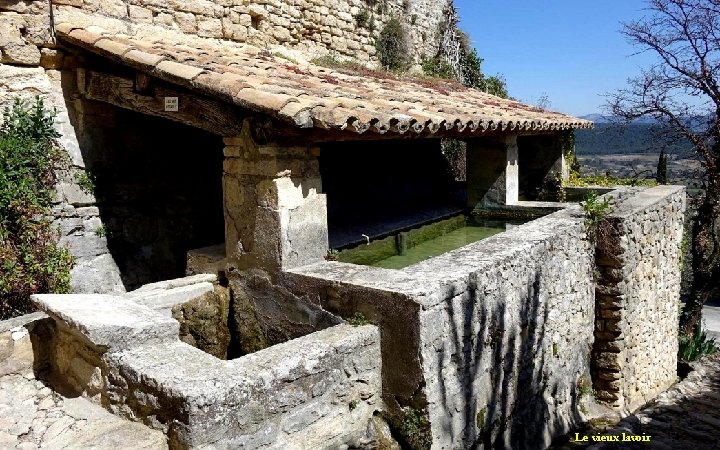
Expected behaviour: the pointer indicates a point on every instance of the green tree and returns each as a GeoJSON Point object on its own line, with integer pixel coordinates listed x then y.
{"type": "Point", "coordinates": [457, 55]}
{"type": "Point", "coordinates": [682, 91]}
{"type": "Point", "coordinates": [662, 170]}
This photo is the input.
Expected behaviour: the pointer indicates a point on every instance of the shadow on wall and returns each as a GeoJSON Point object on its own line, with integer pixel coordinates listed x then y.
{"type": "Point", "coordinates": [158, 186]}
{"type": "Point", "coordinates": [378, 182]}
{"type": "Point", "coordinates": [503, 368]}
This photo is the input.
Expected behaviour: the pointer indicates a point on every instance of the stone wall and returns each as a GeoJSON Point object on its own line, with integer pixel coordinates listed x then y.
{"type": "Point", "coordinates": [312, 28]}
{"type": "Point", "coordinates": [494, 341]}
{"type": "Point", "coordinates": [75, 210]}
{"type": "Point", "coordinates": [16, 344]}
{"type": "Point", "coordinates": [491, 341]}
{"type": "Point", "coordinates": [318, 391]}
{"type": "Point", "coordinates": [635, 349]}
{"type": "Point", "coordinates": [505, 346]}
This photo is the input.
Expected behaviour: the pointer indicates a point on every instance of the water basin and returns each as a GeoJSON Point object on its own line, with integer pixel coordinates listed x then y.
{"type": "Point", "coordinates": [409, 247]}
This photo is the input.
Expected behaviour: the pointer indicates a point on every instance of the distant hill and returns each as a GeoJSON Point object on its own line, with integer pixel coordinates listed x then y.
{"type": "Point", "coordinates": [639, 137]}
{"type": "Point", "coordinates": [597, 118]}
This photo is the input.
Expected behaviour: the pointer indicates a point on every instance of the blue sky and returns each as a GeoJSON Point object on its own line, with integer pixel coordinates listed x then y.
{"type": "Point", "coordinates": [571, 50]}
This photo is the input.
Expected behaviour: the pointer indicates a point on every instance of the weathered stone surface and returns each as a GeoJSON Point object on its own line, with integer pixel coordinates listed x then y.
{"type": "Point", "coordinates": [166, 299]}
{"type": "Point", "coordinates": [107, 321]}
{"type": "Point", "coordinates": [266, 313]}
{"type": "Point", "coordinates": [204, 322]}
{"type": "Point", "coordinates": [16, 352]}
{"type": "Point", "coordinates": [14, 48]}
{"type": "Point", "coordinates": [297, 393]}
{"type": "Point", "coordinates": [636, 347]}
{"type": "Point", "coordinates": [199, 279]}
{"type": "Point", "coordinates": [206, 260]}
{"type": "Point", "coordinates": [32, 415]}
{"type": "Point", "coordinates": [95, 275]}
{"type": "Point", "coordinates": [16, 349]}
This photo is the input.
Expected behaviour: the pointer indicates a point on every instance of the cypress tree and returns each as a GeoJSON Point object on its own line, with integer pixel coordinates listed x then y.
{"type": "Point", "coordinates": [662, 174]}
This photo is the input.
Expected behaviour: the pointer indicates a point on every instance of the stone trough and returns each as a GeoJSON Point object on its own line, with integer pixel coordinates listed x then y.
{"type": "Point", "coordinates": [318, 391]}
{"type": "Point", "coordinates": [497, 342]}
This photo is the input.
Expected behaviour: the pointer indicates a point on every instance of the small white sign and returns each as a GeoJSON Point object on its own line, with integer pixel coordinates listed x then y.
{"type": "Point", "coordinates": [171, 103]}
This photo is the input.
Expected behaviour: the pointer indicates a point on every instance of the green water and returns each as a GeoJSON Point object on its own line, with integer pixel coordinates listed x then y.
{"type": "Point", "coordinates": [442, 244]}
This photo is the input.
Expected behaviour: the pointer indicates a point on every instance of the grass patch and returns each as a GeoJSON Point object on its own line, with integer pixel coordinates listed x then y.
{"type": "Point", "coordinates": [695, 346]}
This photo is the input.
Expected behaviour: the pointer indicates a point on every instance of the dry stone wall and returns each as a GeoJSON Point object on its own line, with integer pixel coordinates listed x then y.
{"type": "Point", "coordinates": [346, 28]}
{"type": "Point", "coordinates": [635, 350]}
{"type": "Point", "coordinates": [494, 341]}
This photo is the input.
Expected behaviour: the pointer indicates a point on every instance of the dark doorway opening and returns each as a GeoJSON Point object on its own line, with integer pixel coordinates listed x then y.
{"type": "Point", "coordinates": [158, 186]}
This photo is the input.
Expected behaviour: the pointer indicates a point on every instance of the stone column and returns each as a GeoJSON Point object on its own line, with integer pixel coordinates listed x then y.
{"type": "Point", "coordinates": [275, 215]}
{"type": "Point", "coordinates": [542, 160]}
{"type": "Point", "coordinates": [638, 246]}
{"type": "Point", "coordinates": [492, 171]}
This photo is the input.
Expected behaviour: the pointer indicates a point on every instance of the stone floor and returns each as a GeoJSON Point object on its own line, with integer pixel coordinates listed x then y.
{"type": "Point", "coordinates": [686, 416]}
{"type": "Point", "coordinates": [33, 416]}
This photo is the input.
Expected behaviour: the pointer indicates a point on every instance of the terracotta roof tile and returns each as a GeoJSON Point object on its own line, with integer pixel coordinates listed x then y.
{"type": "Point", "coordinates": [267, 101]}
{"type": "Point", "coordinates": [113, 47]}
{"type": "Point", "coordinates": [177, 71]}
{"type": "Point", "coordinates": [83, 36]}
{"type": "Point", "coordinates": [313, 96]}
{"type": "Point", "coordinates": [144, 59]}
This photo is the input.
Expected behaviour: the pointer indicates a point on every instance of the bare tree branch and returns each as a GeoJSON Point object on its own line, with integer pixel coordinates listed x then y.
{"type": "Point", "coordinates": [682, 92]}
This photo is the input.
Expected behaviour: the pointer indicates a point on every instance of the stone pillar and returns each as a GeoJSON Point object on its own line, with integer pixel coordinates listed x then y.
{"type": "Point", "coordinates": [275, 215]}
{"type": "Point", "coordinates": [542, 160]}
{"type": "Point", "coordinates": [492, 171]}
{"type": "Point", "coordinates": [638, 246]}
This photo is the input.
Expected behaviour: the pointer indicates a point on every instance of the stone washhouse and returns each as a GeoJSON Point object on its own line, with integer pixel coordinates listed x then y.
{"type": "Point", "coordinates": [225, 167]}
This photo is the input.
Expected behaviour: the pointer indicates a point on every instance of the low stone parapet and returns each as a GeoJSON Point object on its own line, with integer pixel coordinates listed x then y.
{"type": "Point", "coordinates": [317, 391]}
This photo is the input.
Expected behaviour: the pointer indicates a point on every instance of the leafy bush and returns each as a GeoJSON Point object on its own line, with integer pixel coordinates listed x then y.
{"type": "Point", "coordinates": [31, 260]}
{"type": "Point", "coordinates": [392, 46]}
{"type": "Point", "coordinates": [437, 67]}
{"type": "Point", "coordinates": [595, 211]}
{"type": "Point", "coordinates": [607, 180]}
{"type": "Point", "coordinates": [695, 346]}
{"type": "Point", "coordinates": [364, 19]}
